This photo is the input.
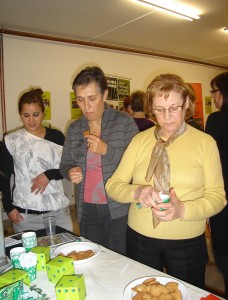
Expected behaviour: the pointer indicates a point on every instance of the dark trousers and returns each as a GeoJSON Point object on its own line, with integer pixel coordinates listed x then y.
{"type": "Point", "coordinates": [184, 259]}
{"type": "Point", "coordinates": [222, 263]}
{"type": "Point", "coordinates": [97, 226]}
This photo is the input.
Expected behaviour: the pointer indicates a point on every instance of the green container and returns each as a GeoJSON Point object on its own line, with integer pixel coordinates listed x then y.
{"type": "Point", "coordinates": [165, 199]}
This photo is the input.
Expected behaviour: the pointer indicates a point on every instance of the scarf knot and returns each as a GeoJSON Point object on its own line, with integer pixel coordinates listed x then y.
{"type": "Point", "coordinates": [159, 165]}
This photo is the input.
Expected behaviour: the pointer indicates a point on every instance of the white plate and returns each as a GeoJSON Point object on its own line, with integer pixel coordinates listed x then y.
{"type": "Point", "coordinates": [78, 246]}
{"type": "Point", "coordinates": [129, 294]}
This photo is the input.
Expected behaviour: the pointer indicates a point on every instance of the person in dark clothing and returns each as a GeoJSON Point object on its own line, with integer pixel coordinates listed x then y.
{"type": "Point", "coordinates": [137, 101]}
{"type": "Point", "coordinates": [217, 127]}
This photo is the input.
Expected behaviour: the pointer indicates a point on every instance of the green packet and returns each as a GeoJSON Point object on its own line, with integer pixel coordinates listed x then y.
{"type": "Point", "coordinates": [18, 291]}
{"type": "Point", "coordinates": [164, 197]}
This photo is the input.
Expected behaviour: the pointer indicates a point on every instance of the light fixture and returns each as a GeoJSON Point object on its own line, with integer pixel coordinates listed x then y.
{"type": "Point", "coordinates": [173, 8]}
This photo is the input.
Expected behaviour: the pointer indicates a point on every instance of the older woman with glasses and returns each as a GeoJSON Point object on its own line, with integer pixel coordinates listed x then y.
{"type": "Point", "coordinates": [176, 159]}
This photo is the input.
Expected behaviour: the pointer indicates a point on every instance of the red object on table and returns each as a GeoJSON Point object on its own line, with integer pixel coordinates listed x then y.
{"type": "Point", "coordinates": [210, 297]}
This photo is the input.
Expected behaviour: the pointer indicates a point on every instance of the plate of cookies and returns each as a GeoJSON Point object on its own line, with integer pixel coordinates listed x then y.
{"type": "Point", "coordinates": [160, 288]}
{"type": "Point", "coordinates": [80, 252]}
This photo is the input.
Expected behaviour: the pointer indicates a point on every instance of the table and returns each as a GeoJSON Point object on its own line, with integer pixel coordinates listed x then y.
{"type": "Point", "coordinates": [107, 275]}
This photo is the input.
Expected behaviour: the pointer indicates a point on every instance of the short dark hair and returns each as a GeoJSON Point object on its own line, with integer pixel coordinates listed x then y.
{"type": "Point", "coordinates": [32, 96]}
{"type": "Point", "coordinates": [137, 101]}
{"type": "Point", "coordinates": [221, 82]}
{"type": "Point", "coordinates": [89, 75]}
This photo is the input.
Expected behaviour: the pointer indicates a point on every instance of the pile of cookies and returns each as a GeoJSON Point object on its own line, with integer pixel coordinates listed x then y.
{"type": "Point", "coordinates": [151, 289]}
{"type": "Point", "coordinates": [79, 255]}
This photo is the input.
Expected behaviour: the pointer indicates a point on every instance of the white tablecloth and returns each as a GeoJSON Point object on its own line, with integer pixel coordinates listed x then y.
{"type": "Point", "coordinates": [107, 275]}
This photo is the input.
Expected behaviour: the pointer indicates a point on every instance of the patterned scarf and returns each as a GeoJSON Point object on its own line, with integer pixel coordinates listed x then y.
{"type": "Point", "coordinates": [159, 165]}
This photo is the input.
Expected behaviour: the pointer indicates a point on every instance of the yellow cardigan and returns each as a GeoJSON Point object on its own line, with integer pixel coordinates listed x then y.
{"type": "Point", "coordinates": [195, 174]}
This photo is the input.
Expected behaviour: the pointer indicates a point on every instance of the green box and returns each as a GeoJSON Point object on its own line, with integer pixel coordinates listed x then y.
{"type": "Point", "coordinates": [11, 291]}
{"type": "Point", "coordinates": [1, 285]}
{"type": "Point", "coordinates": [19, 291]}
{"type": "Point", "coordinates": [43, 257]}
{"type": "Point", "coordinates": [14, 275]}
{"type": "Point", "coordinates": [59, 266]}
{"type": "Point", "coordinates": [71, 287]}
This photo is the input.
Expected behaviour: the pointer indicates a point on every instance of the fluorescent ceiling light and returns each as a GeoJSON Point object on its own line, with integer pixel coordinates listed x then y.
{"type": "Point", "coordinates": [172, 7]}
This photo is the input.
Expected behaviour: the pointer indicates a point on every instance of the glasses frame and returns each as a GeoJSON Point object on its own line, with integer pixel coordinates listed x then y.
{"type": "Point", "coordinates": [168, 109]}
{"type": "Point", "coordinates": [214, 91]}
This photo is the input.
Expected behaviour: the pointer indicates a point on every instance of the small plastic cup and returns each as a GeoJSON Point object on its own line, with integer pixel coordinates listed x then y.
{"type": "Point", "coordinates": [50, 224]}
{"type": "Point", "coordinates": [28, 263]}
{"type": "Point", "coordinates": [29, 240]}
{"type": "Point", "coordinates": [32, 272]}
{"type": "Point", "coordinates": [165, 199]}
{"type": "Point", "coordinates": [15, 254]}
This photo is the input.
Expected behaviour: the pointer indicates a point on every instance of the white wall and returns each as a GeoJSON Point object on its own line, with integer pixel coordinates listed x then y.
{"type": "Point", "coordinates": [53, 66]}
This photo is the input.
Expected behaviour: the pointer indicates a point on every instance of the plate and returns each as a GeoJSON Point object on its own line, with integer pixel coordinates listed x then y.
{"type": "Point", "coordinates": [129, 294]}
{"type": "Point", "coordinates": [78, 246]}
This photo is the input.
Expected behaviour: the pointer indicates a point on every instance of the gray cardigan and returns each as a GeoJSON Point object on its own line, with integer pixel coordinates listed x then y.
{"type": "Point", "coordinates": [117, 130]}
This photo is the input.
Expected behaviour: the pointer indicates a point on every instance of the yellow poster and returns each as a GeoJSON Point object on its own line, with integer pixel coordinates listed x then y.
{"type": "Point", "coordinates": [112, 83]}
{"type": "Point", "coordinates": [123, 88]}
{"type": "Point", "coordinates": [46, 96]}
{"type": "Point", "coordinates": [208, 105]}
{"type": "Point", "coordinates": [76, 112]}
{"type": "Point", "coordinates": [118, 90]}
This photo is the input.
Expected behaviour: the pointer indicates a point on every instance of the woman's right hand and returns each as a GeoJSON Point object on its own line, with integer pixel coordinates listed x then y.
{"type": "Point", "coordinates": [75, 175]}
{"type": "Point", "coordinates": [147, 196]}
{"type": "Point", "coordinates": [15, 216]}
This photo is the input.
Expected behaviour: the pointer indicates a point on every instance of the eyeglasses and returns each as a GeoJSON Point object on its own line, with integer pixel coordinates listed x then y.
{"type": "Point", "coordinates": [214, 91]}
{"type": "Point", "coordinates": [171, 110]}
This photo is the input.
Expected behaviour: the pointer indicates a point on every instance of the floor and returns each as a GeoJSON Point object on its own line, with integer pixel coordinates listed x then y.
{"type": "Point", "coordinates": [214, 281]}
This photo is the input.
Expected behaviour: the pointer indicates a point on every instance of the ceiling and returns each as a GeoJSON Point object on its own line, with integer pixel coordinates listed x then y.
{"type": "Point", "coordinates": [126, 24]}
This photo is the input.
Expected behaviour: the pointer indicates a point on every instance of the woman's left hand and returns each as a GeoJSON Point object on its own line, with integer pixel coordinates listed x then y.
{"type": "Point", "coordinates": [40, 183]}
{"type": "Point", "coordinates": [172, 210]}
